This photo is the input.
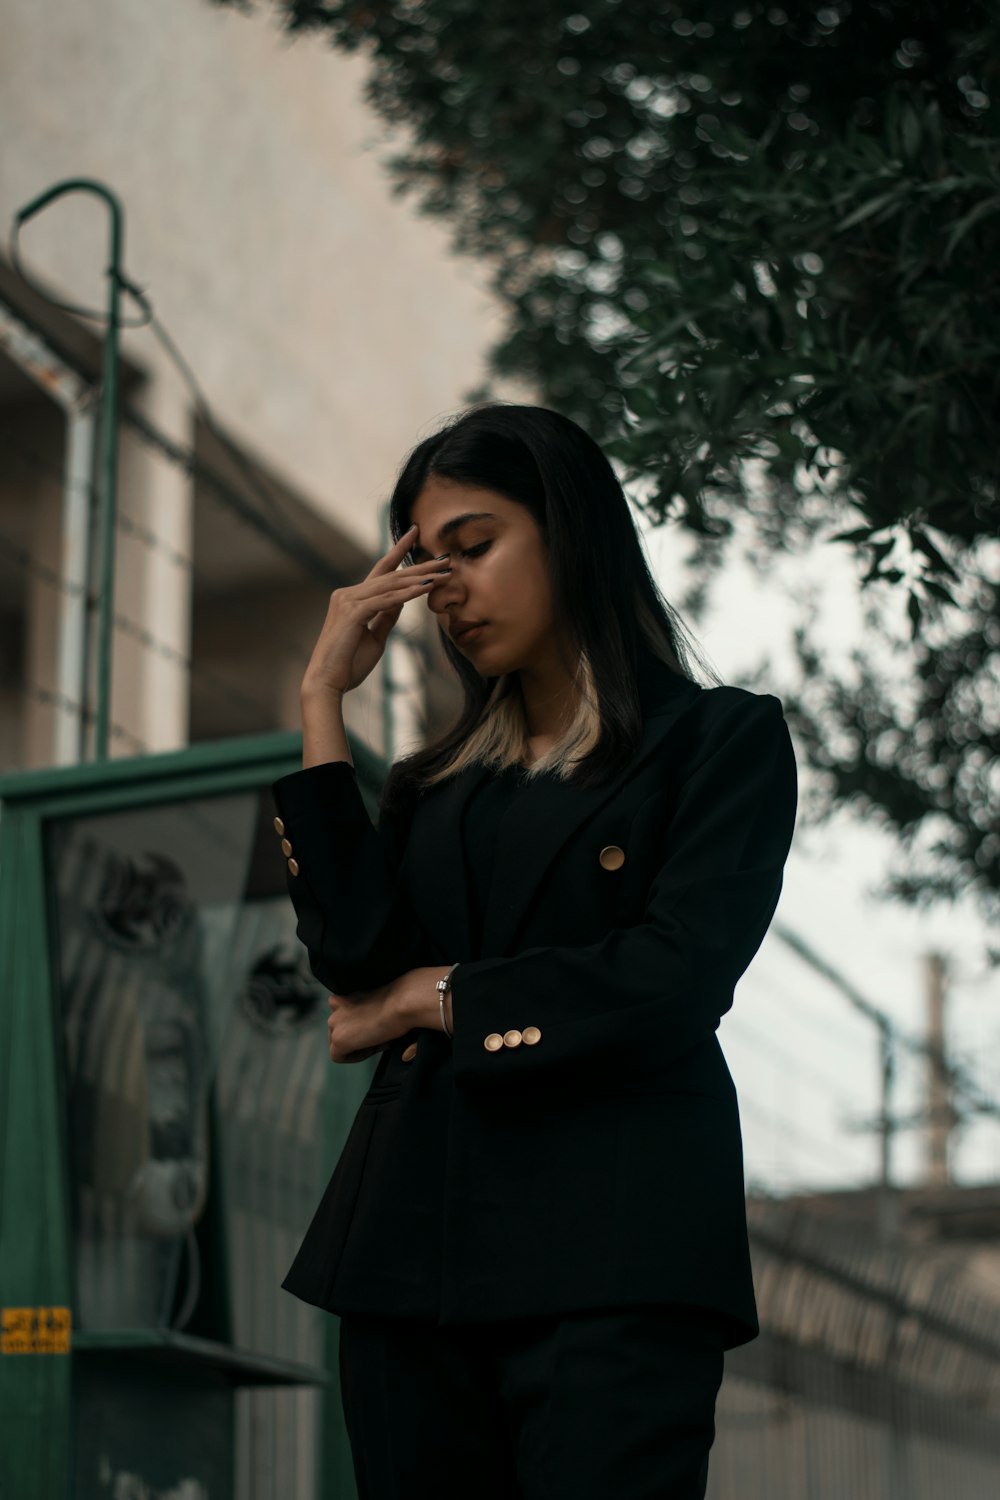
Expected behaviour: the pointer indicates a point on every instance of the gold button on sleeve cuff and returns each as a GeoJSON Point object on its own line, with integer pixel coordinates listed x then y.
{"type": "Point", "coordinates": [279, 826]}
{"type": "Point", "coordinates": [410, 1052]}
{"type": "Point", "coordinates": [512, 1038]}
{"type": "Point", "coordinates": [611, 857]}
{"type": "Point", "coordinates": [293, 865]}
{"type": "Point", "coordinates": [286, 847]}
{"type": "Point", "coordinates": [493, 1042]}
{"type": "Point", "coordinates": [530, 1035]}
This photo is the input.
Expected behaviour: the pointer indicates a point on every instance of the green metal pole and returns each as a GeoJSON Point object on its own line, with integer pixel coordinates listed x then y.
{"type": "Point", "coordinates": [109, 482]}
{"type": "Point", "coordinates": [108, 448]}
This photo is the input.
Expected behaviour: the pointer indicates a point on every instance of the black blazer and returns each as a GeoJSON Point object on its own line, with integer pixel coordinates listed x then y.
{"type": "Point", "coordinates": [594, 1159]}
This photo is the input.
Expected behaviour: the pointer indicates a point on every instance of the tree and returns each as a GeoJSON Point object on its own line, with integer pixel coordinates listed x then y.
{"type": "Point", "coordinates": [756, 252]}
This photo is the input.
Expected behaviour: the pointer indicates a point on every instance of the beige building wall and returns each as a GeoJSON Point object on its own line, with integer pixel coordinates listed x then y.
{"type": "Point", "coordinates": [328, 326]}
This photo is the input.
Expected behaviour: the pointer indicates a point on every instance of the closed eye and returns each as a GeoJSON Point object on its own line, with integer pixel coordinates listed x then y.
{"type": "Point", "coordinates": [477, 551]}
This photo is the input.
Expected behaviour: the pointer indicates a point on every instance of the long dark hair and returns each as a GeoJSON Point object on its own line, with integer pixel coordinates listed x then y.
{"type": "Point", "coordinates": [601, 585]}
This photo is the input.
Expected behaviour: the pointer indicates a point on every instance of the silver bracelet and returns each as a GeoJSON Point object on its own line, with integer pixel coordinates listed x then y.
{"type": "Point", "coordinates": [443, 985]}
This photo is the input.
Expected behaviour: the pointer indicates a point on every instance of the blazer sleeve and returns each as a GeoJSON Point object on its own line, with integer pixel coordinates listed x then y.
{"type": "Point", "coordinates": [644, 995]}
{"type": "Point", "coordinates": [354, 917]}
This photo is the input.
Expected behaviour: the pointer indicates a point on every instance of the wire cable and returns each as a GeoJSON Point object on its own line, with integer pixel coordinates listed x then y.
{"type": "Point", "coordinates": [77, 309]}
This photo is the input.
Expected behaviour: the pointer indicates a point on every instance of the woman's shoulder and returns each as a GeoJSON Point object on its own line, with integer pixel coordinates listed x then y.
{"type": "Point", "coordinates": [728, 708]}
{"type": "Point", "coordinates": [737, 719]}
{"type": "Point", "coordinates": [728, 700]}
{"type": "Point", "coordinates": [664, 691]}
{"type": "Point", "coordinates": [699, 719]}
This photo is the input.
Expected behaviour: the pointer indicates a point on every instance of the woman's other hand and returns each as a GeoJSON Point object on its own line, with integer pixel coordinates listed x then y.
{"type": "Point", "coordinates": [367, 1022]}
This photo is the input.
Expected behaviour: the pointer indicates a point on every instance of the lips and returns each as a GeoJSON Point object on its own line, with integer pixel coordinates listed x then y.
{"type": "Point", "coordinates": [467, 632]}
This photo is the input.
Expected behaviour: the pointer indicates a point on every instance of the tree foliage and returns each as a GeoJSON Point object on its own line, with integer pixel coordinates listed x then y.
{"type": "Point", "coordinates": [756, 252]}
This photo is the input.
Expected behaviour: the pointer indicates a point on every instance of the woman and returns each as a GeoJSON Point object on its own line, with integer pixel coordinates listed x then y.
{"type": "Point", "coordinates": [535, 1237]}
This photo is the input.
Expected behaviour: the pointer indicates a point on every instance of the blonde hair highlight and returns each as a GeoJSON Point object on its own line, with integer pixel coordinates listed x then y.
{"type": "Point", "coordinates": [500, 739]}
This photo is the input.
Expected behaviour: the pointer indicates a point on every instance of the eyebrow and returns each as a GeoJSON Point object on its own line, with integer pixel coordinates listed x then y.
{"type": "Point", "coordinates": [453, 525]}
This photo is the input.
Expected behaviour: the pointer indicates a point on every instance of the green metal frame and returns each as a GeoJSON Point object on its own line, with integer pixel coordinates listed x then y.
{"type": "Point", "coordinates": [36, 1389]}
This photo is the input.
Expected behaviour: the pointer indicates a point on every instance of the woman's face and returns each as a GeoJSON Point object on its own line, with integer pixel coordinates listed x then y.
{"type": "Point", "coordinates": [500, 574]}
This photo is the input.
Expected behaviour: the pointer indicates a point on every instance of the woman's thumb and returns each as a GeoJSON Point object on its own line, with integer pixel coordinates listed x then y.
{"type": "Point", "coordinates": [380, 625]}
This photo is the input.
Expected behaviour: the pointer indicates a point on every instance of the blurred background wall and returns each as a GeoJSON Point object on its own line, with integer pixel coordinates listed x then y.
{"type": "Point", "coordinates": [327, 327]}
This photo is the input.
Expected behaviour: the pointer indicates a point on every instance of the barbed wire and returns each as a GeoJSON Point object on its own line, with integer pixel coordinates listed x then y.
{"type": "Point", "coordinates": [981, 1101]}
{"type": "Point", "coordinates": [128, 525]}
{"type": "Point", "coordinates": [55, 699]}
{"type": "Point", "coordinates": [142, 533]}
{"type": "Point", "coordinates": [736, 1025]}
{"type": "Point", "coordinates": [140, 633]}
{"type": "Point", "coordinates": [977, 1098]}
{"type": "Point", "coordinates": [792, 1132]}
{"type": "Point", "coordinates": [276, 528]}
{"type": "Point", "coordinates": [29, 563]}
{"type": "Point", "coordinates": [184, 458]}
{"type": "Point", "coordinates": [803, 1016]}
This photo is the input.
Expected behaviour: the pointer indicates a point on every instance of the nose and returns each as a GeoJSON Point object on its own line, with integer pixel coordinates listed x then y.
{"type": "Point", "coordinates": [447, 591]}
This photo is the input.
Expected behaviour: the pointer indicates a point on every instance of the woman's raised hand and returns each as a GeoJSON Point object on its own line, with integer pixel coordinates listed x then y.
{"type": "Point", "coordinates": [360, 616]}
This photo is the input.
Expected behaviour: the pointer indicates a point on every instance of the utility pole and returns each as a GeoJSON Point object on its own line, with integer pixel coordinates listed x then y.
{"type": "Point", "coordinates": [887, 1210]}
{"type": "Point", "coordinates": [940, 1115]}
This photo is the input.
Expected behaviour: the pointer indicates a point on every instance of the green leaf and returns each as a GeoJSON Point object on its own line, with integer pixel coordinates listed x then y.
{"type": "Point", "coordinates": [939, 591]}
{"type": "Point", "coordinates": [973, 217]}
{"type": "Point", "coordinates": [915, 612]}
{"type": "Point", "coordinates": [921, 540]}
{"type": "Point", "coordinates": [912, 132]}
{"type": "Point", "coordinates": [859, 534]}
{"type": "Point", "coordinates": [873, 206]}
{"type": "Point", "coordinates": [660, 273]}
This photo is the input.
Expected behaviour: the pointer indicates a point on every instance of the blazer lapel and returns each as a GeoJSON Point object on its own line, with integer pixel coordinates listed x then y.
{"type": "Point", "coordinates": [547, 813]}
{"type": "Point", "coordinates": [436, 844]}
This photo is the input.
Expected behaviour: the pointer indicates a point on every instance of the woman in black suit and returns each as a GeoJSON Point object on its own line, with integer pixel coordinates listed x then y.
{"type": "Point", "coordinates": [535, 1237]}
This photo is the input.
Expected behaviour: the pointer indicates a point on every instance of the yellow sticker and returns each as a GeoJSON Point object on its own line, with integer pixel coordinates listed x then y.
{"type": "Point", "coordinates": [34, 1330]}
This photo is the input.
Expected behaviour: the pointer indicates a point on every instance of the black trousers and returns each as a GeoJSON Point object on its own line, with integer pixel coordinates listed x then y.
{"type": "Point", "coordinates": [609, 1405]}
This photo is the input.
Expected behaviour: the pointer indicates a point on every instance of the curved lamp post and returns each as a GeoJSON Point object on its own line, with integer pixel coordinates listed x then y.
{"type": "Point", "coordinates": [108, 449]}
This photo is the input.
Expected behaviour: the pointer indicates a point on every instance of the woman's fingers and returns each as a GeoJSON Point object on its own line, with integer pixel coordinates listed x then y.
{"type": "Point", "coordinates": [337, 1052]}
{"type": "Point", "coordinates": [361, 616]}
{"type": "Point", "coordinates": [387, 567]}
{"type": "Point", "coordinates": [390, 560]}
{"type": "Point", "coordinates": [360, 1025]}
{"type": "Point", "coordinates": [364, 601]}
{"type": "Point", "coordinates": [378, 585]}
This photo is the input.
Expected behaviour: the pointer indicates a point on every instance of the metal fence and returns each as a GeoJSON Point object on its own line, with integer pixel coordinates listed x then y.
{"type": "Point", "coordinates": [876, 1375]}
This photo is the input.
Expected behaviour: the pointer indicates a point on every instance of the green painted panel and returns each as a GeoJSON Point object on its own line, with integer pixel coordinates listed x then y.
{"type": "Point", "coordinates": [34, 1240]}
{"type": "Point", "coordinates": [216, 758]}
{"type": "Point", "coordinates": [216, 763]}
{"type": "Point", "coordinates": [142, 1431]}
{"type": "Point", "coordinates": [169, 1117]}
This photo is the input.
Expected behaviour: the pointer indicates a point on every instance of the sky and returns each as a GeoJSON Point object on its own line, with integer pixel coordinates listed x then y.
{"type": "Point", "coordinates": [805, 1063]}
